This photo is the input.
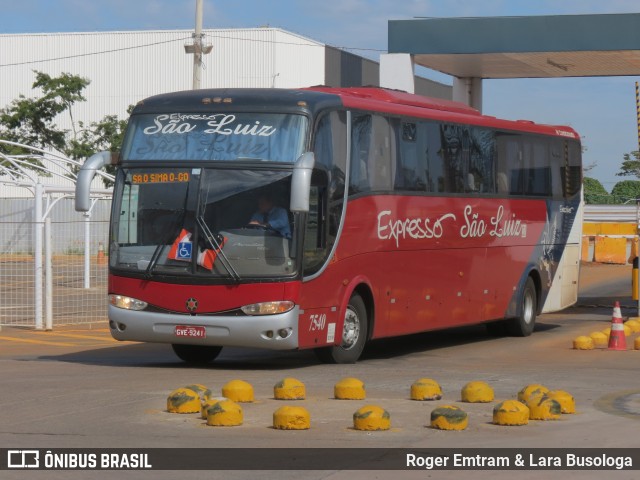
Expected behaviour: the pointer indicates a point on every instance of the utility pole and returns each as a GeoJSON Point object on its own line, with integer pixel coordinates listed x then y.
{"type": "Point", "coordinates": [198, 48]}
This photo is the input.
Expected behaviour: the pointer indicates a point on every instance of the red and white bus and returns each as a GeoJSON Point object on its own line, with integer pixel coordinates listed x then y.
{"type": "Point", "coordinates": [386, 214]}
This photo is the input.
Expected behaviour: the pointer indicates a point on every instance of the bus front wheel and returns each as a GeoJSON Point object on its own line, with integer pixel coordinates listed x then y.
{"type": "Point", "coordinates": [523, 324]}
{"type": "Point", "coordinates": [354, 335]}
{"type": "Point", "coordinates": [196, 354]}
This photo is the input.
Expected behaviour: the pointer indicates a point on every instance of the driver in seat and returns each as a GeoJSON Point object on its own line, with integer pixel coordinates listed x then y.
{"type": "Point", "coordinates": [271, 217]}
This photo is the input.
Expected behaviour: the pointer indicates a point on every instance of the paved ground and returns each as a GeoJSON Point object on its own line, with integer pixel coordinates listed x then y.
{"type": "Point", "coordinates": [76, 387]}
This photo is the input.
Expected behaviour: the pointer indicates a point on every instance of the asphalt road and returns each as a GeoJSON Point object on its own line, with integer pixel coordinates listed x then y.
{"type": "Point", "coordinates": [76, 387]}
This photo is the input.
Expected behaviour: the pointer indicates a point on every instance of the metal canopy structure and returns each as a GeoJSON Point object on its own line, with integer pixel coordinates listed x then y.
{"type": "Point", "coordinates": [522, 47]}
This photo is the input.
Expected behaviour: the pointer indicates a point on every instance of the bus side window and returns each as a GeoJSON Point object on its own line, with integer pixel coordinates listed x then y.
{"type": "Point", "coordinates": [482, 160]}
{"type": "Point", "coordinates": [456, 147]}
{"type": "Point", "coordinates": [315, 236]}
{"type": "Point", "coordinates": [572, 169]}
{"type": "Point", "coordinates": [381, 169]}
{"type": "Point", "coordinates": [536, 167]}
{"type": "Point", "coordinates": [433, 158]}
{"type": "Point", "coordinates": [557, 167]}
{"type": "Point", "coordinates": [327, 190]}
{"type": "Point", "coordinates": [360, 146]}
{"type": "Point", "coordinates": [411, 167]}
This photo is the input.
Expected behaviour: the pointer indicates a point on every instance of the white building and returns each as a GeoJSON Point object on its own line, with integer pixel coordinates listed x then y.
{"type": "Point", "coordinates": [125, 67]}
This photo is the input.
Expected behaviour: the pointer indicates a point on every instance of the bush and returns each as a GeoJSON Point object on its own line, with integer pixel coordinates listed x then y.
{"type": "Point", "coordinates": [594, 192]}
{"type": "Point", "coordinates": [626, 191]}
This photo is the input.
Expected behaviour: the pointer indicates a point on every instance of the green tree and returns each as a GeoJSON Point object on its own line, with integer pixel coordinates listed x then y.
{"type": "Point", "coordinates": [107, 134]}
{"type": "Point", "coordinates": [32, 121]}
{"type": "Point", "coordinates": [626, 191]}
{"type": "Point", "coordinates": [630, 165]}
{"type": "Point", "coordinates": [595, 193]}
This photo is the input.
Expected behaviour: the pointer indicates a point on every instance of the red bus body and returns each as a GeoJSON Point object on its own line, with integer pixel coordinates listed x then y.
{"type": "Point", "coordinates": [419, 262]}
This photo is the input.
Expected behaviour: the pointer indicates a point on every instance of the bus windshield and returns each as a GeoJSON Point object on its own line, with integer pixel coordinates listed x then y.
{"type": "Point", "coordinates": [231, 224]}
{"type": "Point", "coordinates": [227, 136]}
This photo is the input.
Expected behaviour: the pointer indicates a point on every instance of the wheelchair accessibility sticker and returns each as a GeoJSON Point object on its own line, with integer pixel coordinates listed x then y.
{"type": "Point", "coordinates": [184, 251]}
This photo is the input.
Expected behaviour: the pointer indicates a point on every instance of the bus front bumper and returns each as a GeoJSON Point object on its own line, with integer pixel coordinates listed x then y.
{"type": "Point", "coordinates": [274, 332]}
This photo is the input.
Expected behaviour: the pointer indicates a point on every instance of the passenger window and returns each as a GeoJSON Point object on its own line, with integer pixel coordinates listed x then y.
{"type": "Point", "coordinates": [381, 169]}
{"type": "Point", "coordinates": [411, 171]}
{"type": "Point", "coordinates": [572, 171]}
{"type": "Point", "coordinates": [482, 161]}
{"type": "Point", "coordinates": [536, 168]}
{"type": "Point", "coordinates": [360, 146]}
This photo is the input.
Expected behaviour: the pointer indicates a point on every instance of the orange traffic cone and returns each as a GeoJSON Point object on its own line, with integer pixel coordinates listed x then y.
{"type": "Point", "coordinates": [617, 340]}
{"type": "Point", "coordinates": [101, 260]}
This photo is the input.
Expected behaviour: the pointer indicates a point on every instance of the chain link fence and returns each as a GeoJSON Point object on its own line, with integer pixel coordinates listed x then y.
{"type": "Point", "coordinates": [78, 282]}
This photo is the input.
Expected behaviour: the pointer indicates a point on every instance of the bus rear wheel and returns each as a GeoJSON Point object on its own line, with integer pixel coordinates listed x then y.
{"type": "Point", "coordinates": [524, 323]}
{"type": "Point", "coordinates": [196, 354]}
{"type": "Point", "coordinates": [354, 335]}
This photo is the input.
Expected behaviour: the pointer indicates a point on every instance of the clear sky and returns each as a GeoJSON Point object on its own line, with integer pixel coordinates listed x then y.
{"type": "Point", "coordinates": [601, 109]}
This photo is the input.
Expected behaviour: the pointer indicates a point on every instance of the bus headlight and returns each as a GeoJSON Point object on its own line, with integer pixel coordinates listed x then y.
{"type": "Point", "coordinates": [127, 303]}
{"type": "Point", "coordinates": [267, 308]}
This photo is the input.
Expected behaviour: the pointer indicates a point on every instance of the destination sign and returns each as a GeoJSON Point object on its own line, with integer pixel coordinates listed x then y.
{"type": "Point", "coordinates": [169, 177]}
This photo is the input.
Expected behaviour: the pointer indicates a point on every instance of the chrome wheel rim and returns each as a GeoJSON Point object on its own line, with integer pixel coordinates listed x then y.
{"type": "Point", "coordinates": [527, 307]}
{"type": "Point", "coordinates": [351, 329]}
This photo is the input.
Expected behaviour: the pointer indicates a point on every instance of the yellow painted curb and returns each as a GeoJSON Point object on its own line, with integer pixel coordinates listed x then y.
{"type": "Point", "coordinates": [634, 323]}
{"type": "Point", "coordinates": [477, 392]}
{"type": "Point", "coordinates": [511, 412]}
{"type": "Point", "coordinates": [202, 391]}
{"type": "Point", "coordinates": [566, 401]}
{"type": "Point", "coordinates": [238, 391]}
{"type": "Point", "coordinates": [349, 389]}
{"type": "Point", "coordinates": [183, 400]}
{"type": "Point", "coordinates": [291, 418]}
{"type": "Point", "coordinates": [541, 407]}
{"type": "Point", "coordinates": [530, 390]}
{"type": "Point", "coordinates": [289, 389]}
{"type": "Point", "coordinates": [426, 389]}
{"type": "Point", "coordinates": [449, 417]}
{"type": "Point", "coordinates": [224, 413]}
{"type": "Point", "coordinates": [207, 403]}
{"type": "Point", "coordinates": [636, 344]}
{"type": "Point", "coordinates": [599, 339]}
{"type": "Point", "coordinates": [583, 343]}
{"type": "Point", "coordinates": [371, 417]}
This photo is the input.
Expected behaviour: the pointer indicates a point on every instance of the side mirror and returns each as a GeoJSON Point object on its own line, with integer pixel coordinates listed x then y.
{"type": "Point", "coordinates": [301, 182]}
{"type": "Point", "coordinates": [85, 176]}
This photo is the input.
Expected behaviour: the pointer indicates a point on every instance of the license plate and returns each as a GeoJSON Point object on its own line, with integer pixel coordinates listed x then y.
{"type": "Point", "coordinates": [190, 331]}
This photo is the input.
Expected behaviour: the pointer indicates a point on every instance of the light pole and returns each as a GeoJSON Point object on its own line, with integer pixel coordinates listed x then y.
{"type": "Point", "coordinates": [197, 48]}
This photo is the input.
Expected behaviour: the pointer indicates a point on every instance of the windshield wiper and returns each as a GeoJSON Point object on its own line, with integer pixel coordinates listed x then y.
{"type": "Point", "coordinates": [216, 245]}
{"type": "Point", "coordinates": [156, 253]}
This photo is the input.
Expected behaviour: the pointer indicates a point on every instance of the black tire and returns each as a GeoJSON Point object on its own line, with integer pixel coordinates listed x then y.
{"type": "Point", "coordinates": [196, 354]}
{"type": "Point", "coordinates": [354, 335]}
{"type": "Point", "coordinates": [525, 322]}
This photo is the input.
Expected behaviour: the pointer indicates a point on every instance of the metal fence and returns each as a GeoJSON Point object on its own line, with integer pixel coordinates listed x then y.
{"type": "Point", "coordinates": [611, 213]}
{"type": "Point", "coordinates": [67, 282]}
